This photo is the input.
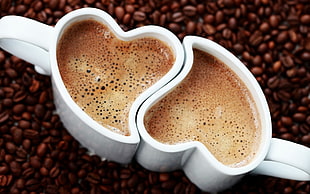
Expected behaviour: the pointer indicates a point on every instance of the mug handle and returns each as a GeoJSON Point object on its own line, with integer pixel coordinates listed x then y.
{"type": "Point", "coordinates": [28, 40]}
{"type": "Point", "coordinates": [287, 160]}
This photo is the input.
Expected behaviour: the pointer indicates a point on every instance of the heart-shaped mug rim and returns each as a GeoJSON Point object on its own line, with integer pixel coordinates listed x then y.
{"type": "Point", "coordinates": [189, 43]}
{"type": "Point", "coordinates": [145, 31]}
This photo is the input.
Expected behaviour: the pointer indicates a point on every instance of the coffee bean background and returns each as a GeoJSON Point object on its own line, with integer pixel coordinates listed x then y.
{"type": "Point", "coordinates": [271, 38]}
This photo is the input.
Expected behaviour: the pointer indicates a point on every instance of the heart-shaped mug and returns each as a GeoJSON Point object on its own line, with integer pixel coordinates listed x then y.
{"type": "Point", "coordinates": [219, 115]}
{"type": "Point", "coordinates": [38, 43]}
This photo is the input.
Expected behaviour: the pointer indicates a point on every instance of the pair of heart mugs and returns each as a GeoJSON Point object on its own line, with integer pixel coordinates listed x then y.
{"type": "Point", "coordinates": [37, 43]}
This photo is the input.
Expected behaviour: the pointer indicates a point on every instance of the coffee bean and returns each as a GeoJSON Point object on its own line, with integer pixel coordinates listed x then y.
{"type": "Point", "coordinates": [18, 108]}
{"type": "Point", "coordinates": [190, 27]}
{"type": "Point", "coordinates": [24, 124]}
{"type": "Point", "coordinates": [257, 71]}
{"type": "Point", "coordinates": [3, 180]}
{"type": "Point", "coordinates": [31, 134]}
{"type": "Point", "coordinates": [119, 12]}
{"type": "Point", "coordinates": [41, 149]}
{"type": "Point", "coordinates": [219, 17]}
{"type": "Point", "coordinates": [273, 82]}
{"type": "Point", "coordinates": [287, 121]}
{"type": "Point", "coordinates": [93, 178]}
{"type": "Point", "coordinates": [34, 85]}
{"type": "Point", "coordinates": [139, 16]}
{"type": "Point", "coordinates": [274, 21]}
{"type": "Point", "coordinates": [54, 172]}
{"type": "Point", "coordinates": [282, 37]}
{"type": "Point", "coordinates": [5, 4]}
{"type": "Point", "coordinates": [39, 111]}
{"type": "Point", "coordinates": [125, 174]}
{"type": "Point", "coordinates": [28, 172]}
{"type": "Point", "coordinates": [10, 147]}
{"type": "Point", "coordinates": [153, 178]}
{"type": "Point", "coordinates": [164, 177]}
{"type": "Point", "coordinates": [174, 27]}
{"type": "Point", "coordinates": [15, 168]}
{"type": "Point", "coordinates": [305, 19]}
{"type": "Point", "coordinates": [133, 181]}
{"type": "Point", "coordinates": [209, 29]}
{"type": "Point", "coordinates": [35, 162]}
{"type": "Point", "coordinates": [11, 73]}
{"type": "Point", "coordinates": [20, 9]}
{"type": "Point", "coordinates": [32, 185]}
{"type": "Point", "coordinates": [306, 139]}
{"type": "Point", "coordinates": [4, 169]}
{"type": "Point", "coordinates": [20, 183]}
{"type": "Point", "coordinates": [232, 23]}
{"type": "Point", "coordinates": [189, 10]}
{"type": "Point", "coordinates": [287, 61]}
{"type": "Point", "coordinates": [21, 154]}
{"type": "Point", "coordinates": [256, 38]}
{"type": "Point", "coordinates": [299, 117]}
{"type": "Point", "coordinates": [170, 184]}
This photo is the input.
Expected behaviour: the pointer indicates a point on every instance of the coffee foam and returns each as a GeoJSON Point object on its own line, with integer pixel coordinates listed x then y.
{"type": "Point", "coordinates": [211, 106]}
{"type": "Point", "coordinates": [104, 75]}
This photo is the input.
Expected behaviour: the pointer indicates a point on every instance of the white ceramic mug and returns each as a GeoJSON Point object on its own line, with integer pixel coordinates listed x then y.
{"type": "Point", "coordinates": [274, 157]}
{"type": "Point", "coordinates": [36, 43]}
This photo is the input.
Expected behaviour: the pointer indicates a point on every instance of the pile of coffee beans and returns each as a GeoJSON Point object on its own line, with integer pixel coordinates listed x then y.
{"type": "Point", "coordinates": [38, 155]}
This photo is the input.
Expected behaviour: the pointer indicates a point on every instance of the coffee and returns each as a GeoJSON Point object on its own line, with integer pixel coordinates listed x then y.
{"type": "Point", "coordinates": [104, 75]}
{"type": "Point", "coordinates": [212, 106]}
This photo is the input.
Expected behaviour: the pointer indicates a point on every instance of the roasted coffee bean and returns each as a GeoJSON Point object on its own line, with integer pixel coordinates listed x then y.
{"type": "Point", "coordinates": [125, 174]}
{"type": "Point", "coordinates": [20, 183]}
{"type": "Point", "coordinates": [23, 124]}
{"type": "Point", "coordinates": [19, 108]}
{"type": "Point", "coordinates": [139, 16]}
{"type": "Point", "coordinates": [153, 178]}
{"type": "Point", "coordinates": [21, 154]}
{"type": "Point", "coordinates": [305, 19]}
{"type": "Point", "coordinates": [189, 10]}
{"type": "Point", "coordinates": [41, 149]}
{"type": "Point", "coordinates": [274, 21]}
{"type": "Point", "coordinates": [39, 111]}
{"type": "Point", "coordinates": [93, 178]}
{"type": "Point", "coordinates": [28, 172]}
{"type": "Point", "coordinates": [31, 134]}
{"type": "Point", "coordinates": [119, 12]}
{"type": "Point", "coordinates": [3, 180]}
{"type": "Point", "coordinates": [32, 184]}
{"type": "Point", "coordinates": [11, 73]}
{"type": "Point", "coordinates": [4, 169]}
{"type": "Point", "coordinates": [54, 172]}
{"type": "Point", "coordinates": [35, 162]}
{"type": "Point", "coordinates": [256, 38]}
{"type": "Point", "coordinates": [15, 168]}
{"type": "Point", "coordinates": [10, 147]}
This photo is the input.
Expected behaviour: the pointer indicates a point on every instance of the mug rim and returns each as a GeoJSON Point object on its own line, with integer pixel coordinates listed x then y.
{"type": "Point", "coordinates": [209, 46]}
{"type": "Point", "coordinates": [105, 18]}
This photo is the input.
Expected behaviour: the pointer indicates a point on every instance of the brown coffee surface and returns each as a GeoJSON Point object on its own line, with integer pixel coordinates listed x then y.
{"type": "Point", "coordinates": [213, 106]}
{"type": "Point", "coordinates": [104, 75]}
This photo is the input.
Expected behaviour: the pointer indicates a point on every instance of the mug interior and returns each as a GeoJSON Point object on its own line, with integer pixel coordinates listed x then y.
{"type": "Point", "coordinates": [212, 48]}
{"type": "Point", "coordinates": [104, 18]}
